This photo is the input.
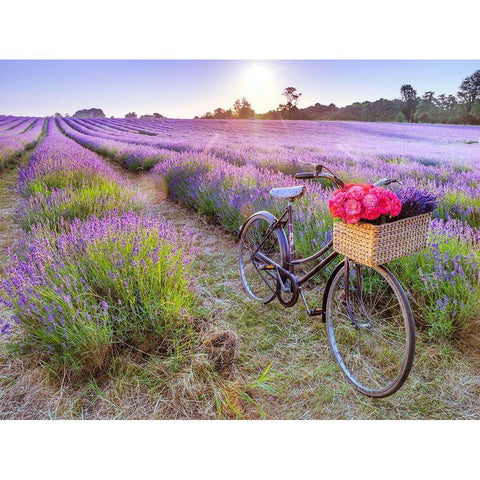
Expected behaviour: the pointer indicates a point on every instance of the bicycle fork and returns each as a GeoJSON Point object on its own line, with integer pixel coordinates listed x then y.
{"type": "Point", "coordinates": [350, 308]}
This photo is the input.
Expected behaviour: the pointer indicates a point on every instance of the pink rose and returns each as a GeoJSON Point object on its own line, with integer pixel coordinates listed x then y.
{"type": "Point", "coordinates": [335, 210]}
{"type": "Point", "coordinates": [395, 206]}
{"type": "Point", "coordinates": [352, 207]}
{"type": "Point", "coordinates": [370, 200]}
{"type": "Point", "coordinates": [384, 205]}
{"type": "Point", "coordinates": [339, 198]}
{"type": "Point", "coordinates": [352, 218]}
{"type": "Point", "coordinates": [371, 213]}
{"type": "Point", "coordinates": [379, 191]}
{"type": "Point", "coordinates": [356, 192]}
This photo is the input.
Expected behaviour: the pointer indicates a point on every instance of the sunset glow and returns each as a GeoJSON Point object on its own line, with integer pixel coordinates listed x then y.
{"type": "Point", "coordinates": [258, 76]}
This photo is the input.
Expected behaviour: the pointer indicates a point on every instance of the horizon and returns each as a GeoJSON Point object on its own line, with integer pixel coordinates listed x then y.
{"type": "Point", "coordinates": [189, 88]}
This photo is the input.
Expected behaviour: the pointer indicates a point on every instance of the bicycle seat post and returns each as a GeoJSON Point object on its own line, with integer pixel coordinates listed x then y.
{"type": "Point", "coordinates": [291, 244]}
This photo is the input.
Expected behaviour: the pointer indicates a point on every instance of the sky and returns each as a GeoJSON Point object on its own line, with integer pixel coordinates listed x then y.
{"type": "Point", "coordinates": [185, 88]}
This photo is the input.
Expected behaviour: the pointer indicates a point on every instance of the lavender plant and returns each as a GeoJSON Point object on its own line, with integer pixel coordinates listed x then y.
{"type": "Point", "coordinates": [443, 282]}
{"type": "Point", "coordinates": [132, 156]}
{"type": "Point", "coordinates": [64, 181]}
{"type": "Point", "coordinates": [120, 280]}
{"type": "Point", "coordinates": [415, 202]}
{"type": "Point", "coordinates": [14, 140]}
{"type": "Point", "coordinates": [58, 207]}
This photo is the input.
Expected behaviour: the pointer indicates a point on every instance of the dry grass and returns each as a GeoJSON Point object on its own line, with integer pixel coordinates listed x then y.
{"type": "Point", "coordinates": [444, 383]}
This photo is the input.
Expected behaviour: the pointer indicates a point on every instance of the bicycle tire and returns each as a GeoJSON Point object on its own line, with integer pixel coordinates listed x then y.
{"type": "Point", "coordinates": [365, 352]}
{"type": "Point", "coordinates": [255, 280]}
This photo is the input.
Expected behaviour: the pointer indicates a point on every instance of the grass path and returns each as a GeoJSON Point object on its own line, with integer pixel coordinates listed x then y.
{"type": "Point", "coordinates": [444, 383]}
{"type": "Point", "coordinates": [9, 230]}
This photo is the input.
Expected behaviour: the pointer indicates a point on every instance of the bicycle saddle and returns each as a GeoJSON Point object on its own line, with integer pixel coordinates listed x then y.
{"type": "Point", "coordinates": [287, 192]}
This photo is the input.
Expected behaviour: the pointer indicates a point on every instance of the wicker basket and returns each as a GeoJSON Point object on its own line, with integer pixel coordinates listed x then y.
{"type": "Point", "coordinates": [376, 244]}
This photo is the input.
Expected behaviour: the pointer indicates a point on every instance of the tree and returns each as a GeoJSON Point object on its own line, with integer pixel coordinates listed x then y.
{"type": "Point", "coordinates": [57, 114]}
{"type": "Point", "coordinates": [292, 96]}
{"type": "Point", "coordinates": [475, 112]}
{"type": "Point", "coordinates": [469, 90]}
{"type": "Point", "coordinates": [441, 101]}
{"type": "Point", "coordinates": [131, 115]}
{"type": "Point", "coordinates": [221, 113]}
{"type": "Point", "coordinates": [428, 96]}
{"type": "Point", "coordinates": [154, 115]}
{"type": "Point", "coordinates": [409, 97]}
{"type": "Point", "coordinates": [89, 113]}
{"type": "Point", "coordinates": [243, 109]}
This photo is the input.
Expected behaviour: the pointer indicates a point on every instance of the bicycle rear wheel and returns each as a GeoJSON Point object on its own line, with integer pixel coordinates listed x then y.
{"type": "Point", "coordinates": [372, 337]}
{"type": "Point", "coordinates": [259, 282]}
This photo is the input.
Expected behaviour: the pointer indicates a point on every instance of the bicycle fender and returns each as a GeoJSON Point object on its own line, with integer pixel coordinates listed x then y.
{"type": "Point", "coordinates": [270, 217]}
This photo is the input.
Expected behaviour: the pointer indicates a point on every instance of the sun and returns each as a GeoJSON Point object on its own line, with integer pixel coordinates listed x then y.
{"type": "Point", "coordinates": [259, 85]}
{"type": "Point", "coordinates": [258, 76]}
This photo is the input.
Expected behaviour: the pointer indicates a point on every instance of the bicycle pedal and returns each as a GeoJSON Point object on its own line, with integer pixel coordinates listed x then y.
{"type": "Point", "coordinates": [268, 267]}
{"type": "Point", "coordinates": [315, 312]}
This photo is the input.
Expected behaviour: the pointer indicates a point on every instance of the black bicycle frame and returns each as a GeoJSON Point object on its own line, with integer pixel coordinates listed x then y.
{"type": "Point", "coordinates": [289, 272]}
{"type": "Point", "coordinates": [291, 262]}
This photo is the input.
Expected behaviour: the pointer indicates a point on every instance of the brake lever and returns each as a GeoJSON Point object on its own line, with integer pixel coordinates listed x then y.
{"type": "Point", "coordinates": [318, 166]}
{"type": "Point", "coordinates": [387, 181]}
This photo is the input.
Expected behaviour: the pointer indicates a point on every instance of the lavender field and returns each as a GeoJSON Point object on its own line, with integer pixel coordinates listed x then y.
{"type": "Point", "coordinates": [98, 270]}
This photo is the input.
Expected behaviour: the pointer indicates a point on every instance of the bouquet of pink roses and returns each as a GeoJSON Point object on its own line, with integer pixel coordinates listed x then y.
{"type": "Point", "coordinates": [361, 201]}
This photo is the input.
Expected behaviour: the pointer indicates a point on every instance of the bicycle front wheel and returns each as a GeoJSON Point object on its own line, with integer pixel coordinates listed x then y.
{"type": "Point", "coordinates": [371, 330]}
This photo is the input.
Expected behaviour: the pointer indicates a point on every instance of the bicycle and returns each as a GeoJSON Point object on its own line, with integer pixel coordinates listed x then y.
{"type": "Point", "coordinates": [369, 321]}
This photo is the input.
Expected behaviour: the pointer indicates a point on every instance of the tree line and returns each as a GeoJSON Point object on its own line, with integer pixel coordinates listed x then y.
{"type": "Point", "coordinates": [98, 113]}
{"type": "Point", "coordinates": [464, 108]}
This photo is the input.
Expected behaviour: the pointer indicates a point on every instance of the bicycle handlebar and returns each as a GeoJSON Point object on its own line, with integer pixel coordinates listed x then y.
{"type": "Point", "coordinates": [337, 181]}
{"type": "Point", "coordinates": [305, 175]}
{"type": "Point", "coordinates": [386, 181]}
{"type": "Point", "coordinates": [328, 176]}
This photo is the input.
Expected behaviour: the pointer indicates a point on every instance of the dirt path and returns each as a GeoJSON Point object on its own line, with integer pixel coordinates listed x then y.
{"type": "Point", "coordinates": [9, 230]}
{"type": "Point", "coordinates": [212, 238]}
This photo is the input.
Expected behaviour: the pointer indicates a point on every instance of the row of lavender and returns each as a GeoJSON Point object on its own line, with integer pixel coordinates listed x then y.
{"type": "Point", "coordinates": [17, 135]}
{"type": "Point", "coordinates": [94, 272]}
{"type": "Point", "coordinates": [456, 184]}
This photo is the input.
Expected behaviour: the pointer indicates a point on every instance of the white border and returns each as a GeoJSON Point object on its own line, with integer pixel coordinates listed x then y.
{"type": "Point", "coordinates": [248, 29]}
{"type": "Point", "coordinates": [238, 450]}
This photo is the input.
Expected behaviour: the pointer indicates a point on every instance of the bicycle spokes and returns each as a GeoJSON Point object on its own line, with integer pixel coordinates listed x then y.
{"type": "Point", "coordinates": [259, 279]}
{"type": "Point", "coordinates": [370, 329]}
